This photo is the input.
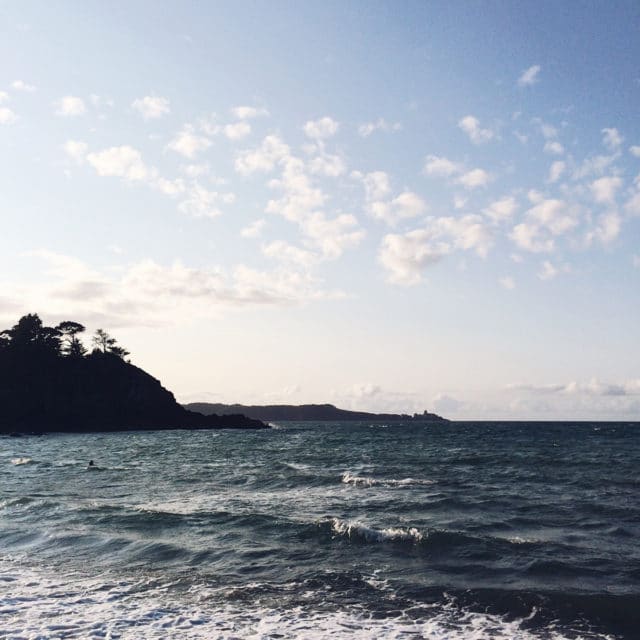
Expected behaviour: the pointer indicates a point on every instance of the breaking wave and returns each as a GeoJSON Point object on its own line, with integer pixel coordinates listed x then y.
{"type": "Point", "coordinates": [355, 530]}
{"type": "Point", "coordinates": [368, 481]}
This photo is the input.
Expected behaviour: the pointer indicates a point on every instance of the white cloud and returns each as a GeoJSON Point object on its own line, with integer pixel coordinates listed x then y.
{"type": "Point", "coordinates": [556, 170]}
{"type": "Point", "coordinates": [553, 147]}
{"type": "Point", "coordinates": [545, 220]}
{"type": "Point", "coordinates": [408, 205]}
{"type": "Point", "coordinates": [246, 113]}
{"type": "Point", "coordinates": [147, 293]}
{"type": "Point", "coordinates": [534, 196]}
{"type": "Point", "coordinates": [612, 139]}
{"type": "Point", "coordinates": [521, 137]}
{"type": "Point", "coordinates": [593, 387]}
{"type": "Point", "coordinates": [7, 116]}
{"type": "Point", "coordinates": [459, 202]}
{"type": "Point", "coordinates": [632, 205]}
{"type": "Point", "coordinates": [547, 271]}
{"type": "Point", "coordinates": [196, 170]}
{"type": "Point", "coordinates": [287, 253]}
{"type": "Point", "coordinates": [332, 235]}
{"type": "Point", "coordinates": [201, 202]}
{"type": "Point", "coordinates": [405, 205]}
{"type": "Point", "coordinates": [300, 198]}
{"type": "Point", "coordinates": [380, 204]}
{"type": "Point", "coordinates": [604, 189]}
{"type": "Point", "coordinates": [607, 228]}
{"type": "Point", "coordinates": [634, 150]}
{"type": "Point", "coordinates": [445, 168]}
{"type": "Point", "coordinates": [271, 152]}
{"type": "Point", "coordinates": [441, 167]}
{"type": "Point", "coordinates": [471, 126]}
{"type": "Point", "coordinates": [554, 215]}
{"type": "Point", "coordinates": [529, 76]}
{"type": "Point", "coordinates": [501, 210]}
{"type": "Point", "coordinates": [406, 256]}
{"type": "Point", "coordinates": [507, 282]}
{"type": "Point", "coordinates": [151, 107]}
{"type": "Point", "coordinates": [4, 96]}
{"type": "Point", "coordinates": [593, 165]}
{"type": "Point", "coordinates": [367, 128]}
{"type": "Point", "coordinates": [469, 233]}
{"type": "Point", "coordinates": [237, 130]}
{"type": "Point", "coordinates": [529, 237]}
{"type": "Point", "coordinates": [322, 128]}
{"type": "Point", "coordinates": [254, 229]}
{"type": "Point", "coordinates": [20, 85]}
{"type": "Point", "coordinates": [124, 162]}
{"type": "Point", "coordinates": [76, 150]}
{"type": "Point", "coordinates": [328, 165]}
{"type": "Point", "coordinates": [70, 106]}
{"type": "Point", "coordinates": [377, 185]}
{"type": "Point", "coordinates": [188, 143]}
{"type": "Point", "coordinates": [169, 187]}
{"type": "Point", "coordinates": [474, 178]}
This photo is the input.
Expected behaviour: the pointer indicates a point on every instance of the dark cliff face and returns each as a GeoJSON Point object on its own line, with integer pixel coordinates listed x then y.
{"type": "Point", "coordinates": [97, 392]}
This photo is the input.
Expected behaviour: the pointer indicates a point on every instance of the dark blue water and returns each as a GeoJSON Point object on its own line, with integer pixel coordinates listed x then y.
{"type": "Point", "coordinates": [317, 531]}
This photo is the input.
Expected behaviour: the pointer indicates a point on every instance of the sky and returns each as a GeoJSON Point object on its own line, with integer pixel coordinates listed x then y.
{"type": "Point", "coordinates": [389, 206]}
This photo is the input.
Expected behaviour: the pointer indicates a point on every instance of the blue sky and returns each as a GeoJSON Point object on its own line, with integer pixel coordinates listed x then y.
{"type": "Point", "coordinates": [388, 206]}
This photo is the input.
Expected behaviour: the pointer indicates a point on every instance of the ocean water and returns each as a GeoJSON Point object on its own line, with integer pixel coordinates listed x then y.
{"type": "Point", "coordinates": [519, 531]}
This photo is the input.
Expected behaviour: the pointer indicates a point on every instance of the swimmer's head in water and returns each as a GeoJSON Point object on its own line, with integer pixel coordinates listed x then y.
{"type": "Point", "coordinates": [91, 463]}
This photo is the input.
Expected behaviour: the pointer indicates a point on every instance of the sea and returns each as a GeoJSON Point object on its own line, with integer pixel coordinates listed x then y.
{"type": "Point", "coordinates": [324, 530]}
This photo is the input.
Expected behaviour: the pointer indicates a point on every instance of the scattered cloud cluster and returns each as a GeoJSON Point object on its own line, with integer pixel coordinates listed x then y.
{"type": "Point", "coordinates": [441, 167]}
{"type": "Point", "coordinates": [383, 205]}
{"type": "Point", "coordinates": [576, 204]}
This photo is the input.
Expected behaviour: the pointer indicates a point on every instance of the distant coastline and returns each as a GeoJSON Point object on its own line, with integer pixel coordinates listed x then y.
{"type": "Point", "coordinates": [304, 412]}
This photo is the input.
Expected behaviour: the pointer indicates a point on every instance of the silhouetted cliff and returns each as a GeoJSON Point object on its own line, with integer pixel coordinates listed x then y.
{"type": "Point", "coordinates": [317, 412]}
{"type": "Point", "coordinates": [47, 384]}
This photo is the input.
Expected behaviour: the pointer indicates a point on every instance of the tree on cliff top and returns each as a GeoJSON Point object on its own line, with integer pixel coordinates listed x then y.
{"type": "Point", "coordinates": [102, 341]}
{"type": "Point", "coordinates": [31, 336]}
{"type": "Point", "coordinates": [71, 344]}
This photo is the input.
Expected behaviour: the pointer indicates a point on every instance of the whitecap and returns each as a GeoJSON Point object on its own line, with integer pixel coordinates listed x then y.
{"type": "Point", "coordinates": [368, 481]}
{"type": "Point", "coordinates": [20, 461]}
{"type": "Point", "coordinates": [370, 534]}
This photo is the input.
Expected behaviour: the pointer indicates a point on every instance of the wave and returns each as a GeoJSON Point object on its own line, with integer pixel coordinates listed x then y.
{"type": "Point", "coordinates": [154, 608]}
{"type": "Point", "coordinates": [368, 481]}
{"type": "Point", "coordinates": [21, 461]}
{"type": "Point", "coordinates": [355, 530]}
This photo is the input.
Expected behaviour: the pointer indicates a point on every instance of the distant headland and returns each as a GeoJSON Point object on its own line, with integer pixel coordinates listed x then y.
{"type": "Point", "coordinates": [50, 382]}
{"type": "Point", "coordinates": [315, 412]}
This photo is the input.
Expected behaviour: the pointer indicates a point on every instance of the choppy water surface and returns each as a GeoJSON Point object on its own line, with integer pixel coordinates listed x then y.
{"type": "Point", "coordinates": [314, 531]}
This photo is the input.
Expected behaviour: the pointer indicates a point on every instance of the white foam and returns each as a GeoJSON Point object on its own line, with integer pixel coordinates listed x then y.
{"type": "Point", "coordinates": [369, 481]}
{"type": "Point", "coordinates": [75, 607]}
{"type": "Point", "coordinates": [389, 534]}
{"type": "Point", "coordinates": [20, 461]}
